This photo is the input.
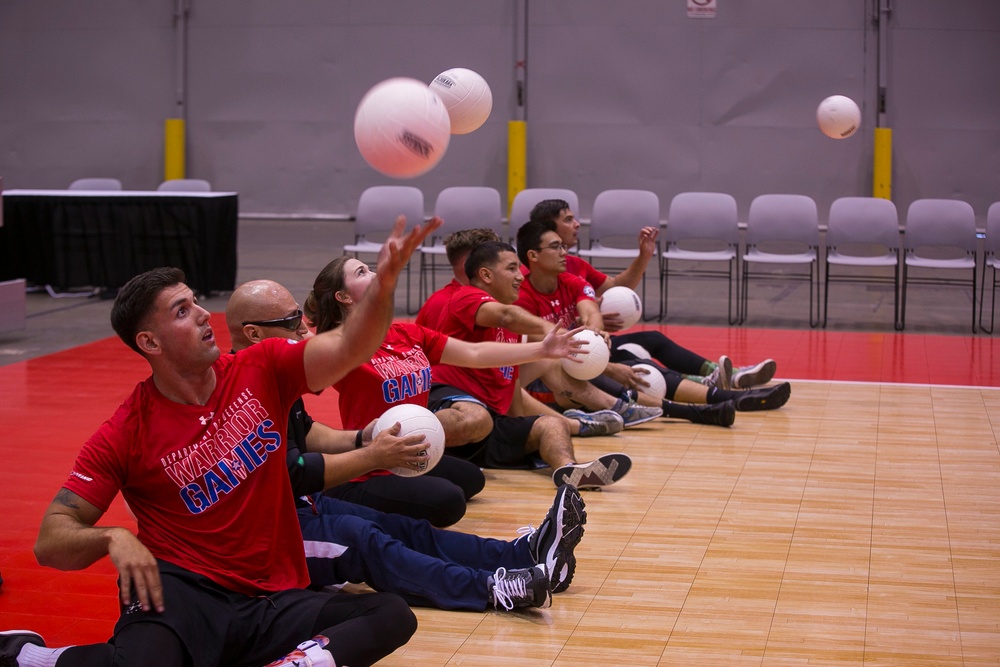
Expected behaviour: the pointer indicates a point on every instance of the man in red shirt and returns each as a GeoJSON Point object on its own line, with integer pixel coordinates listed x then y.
{"type": "Point", "coordinates": [551, 293]}
{"type": "Point", "coordinates": [197, 451]}
{"type": "Point", "coordinates": [659, 346]}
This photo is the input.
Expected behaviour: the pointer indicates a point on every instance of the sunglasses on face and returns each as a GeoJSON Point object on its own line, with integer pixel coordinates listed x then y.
{"type": "Point", "coordinates": [292, 322]}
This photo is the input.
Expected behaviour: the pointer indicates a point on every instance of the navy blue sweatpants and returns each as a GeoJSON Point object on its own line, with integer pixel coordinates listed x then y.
{"type": "Point", "coordinates": [426, 566]}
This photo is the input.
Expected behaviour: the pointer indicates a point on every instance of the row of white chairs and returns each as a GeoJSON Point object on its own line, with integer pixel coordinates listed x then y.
{"type": "Point", "coordinates": [782, 230]}
{"type": "Point", "coordinates": [171, 185]}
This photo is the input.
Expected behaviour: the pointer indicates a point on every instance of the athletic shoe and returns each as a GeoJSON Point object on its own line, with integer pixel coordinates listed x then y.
{"type": "Point", "coordinates": [513, 589]}
{"type": "Point", "coordinates": [765, 398]}
{"type": "Point", "coordinates": [309, 653]}
{"type": "Point", "coordinates": [605, 471]}
{"type": "Point", "coordinates": [722, 376]}
{"type": "Point", "coordinates": [634, 414]}
{"type": "Point", "coordinates": [601, 422]}
{"type": "Point", "coordinates": [752, 376]}
{"type": "Point", "coordinates": [11, 643]}
{"type": "Point", "coordinates": [553, 543]}
{"type": "Point", "coordinates": [717, 414]}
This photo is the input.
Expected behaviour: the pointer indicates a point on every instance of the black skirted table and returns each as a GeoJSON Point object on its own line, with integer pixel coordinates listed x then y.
{"type": "Point", "coordinates": [76, 238]}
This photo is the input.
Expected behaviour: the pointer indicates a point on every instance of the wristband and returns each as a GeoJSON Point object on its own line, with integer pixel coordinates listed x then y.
{"type": "Point", "coordinates": [357, 441]}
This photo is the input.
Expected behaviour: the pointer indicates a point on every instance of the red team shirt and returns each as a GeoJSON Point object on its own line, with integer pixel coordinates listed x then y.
{"type": "Point", "coordinates": [558, 307]}
{"type": "Point", "coordinates": [436, 304]}
{"type": "Point", "coordinates": [493, 386]}
{"type": "Point", "coordinates": [209, 482]}
{"type": "Point", "coordinates": [400, 372]}
{"type": "Point", "coordinates": [578, 266]}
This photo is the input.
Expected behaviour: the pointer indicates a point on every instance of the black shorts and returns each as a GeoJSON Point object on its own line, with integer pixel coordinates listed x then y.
{"type": "Point", "coordinates": [507, 444]}
{"type": "Point", "coordinates": [218, 626]}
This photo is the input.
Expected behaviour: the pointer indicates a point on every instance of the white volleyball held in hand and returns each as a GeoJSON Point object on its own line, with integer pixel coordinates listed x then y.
{"type": "Point", "coordinates": [623, 301]}
{"type": "Point", "coordinates": [838, 117]}
{"type": "Point", "coordinates": [594, 357]}
{"type": "Point", "coordinates": [657, 384]}
{"type": "Point", "coordinates": [467, 97]}
{"type": "Point", "coordinates": [414, 419]}
{"type": "Point", "coordinates": [402, 128]}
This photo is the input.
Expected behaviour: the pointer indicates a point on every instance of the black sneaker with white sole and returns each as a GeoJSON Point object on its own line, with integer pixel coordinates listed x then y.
{"type": "Point", "coordinates": [553, 543]}
{"type": "Point", "coordinates": [516, 589]}
{"type": "Point", "coordinates": [11, 643]}
{"type": "Point", "coordinates": [604, 471]}
{"type": "Point", "coordinates": [765, 398]}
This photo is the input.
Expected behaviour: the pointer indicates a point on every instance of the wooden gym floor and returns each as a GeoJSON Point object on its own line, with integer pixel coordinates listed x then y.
{"type": "Point", "coordinates": [858, 525]}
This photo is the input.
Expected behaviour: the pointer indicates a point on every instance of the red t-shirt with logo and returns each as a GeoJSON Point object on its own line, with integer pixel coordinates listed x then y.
{"type": "Point", "coordinates": [558, 307]}
{"type": "Point", "coordinates": [208, 484]}
{"type": "Point", "coordinates": [492, 386]}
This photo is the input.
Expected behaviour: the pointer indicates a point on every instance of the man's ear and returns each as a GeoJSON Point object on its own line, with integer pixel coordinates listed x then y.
{"type": "Point", "coordinates": [147, 343]}
{"type": "Point", "coordinates": [485, 275]}
{"type": "Point", "coordinates": [252, 333]}
{"type": "Point", "coordinates": [531, 256]}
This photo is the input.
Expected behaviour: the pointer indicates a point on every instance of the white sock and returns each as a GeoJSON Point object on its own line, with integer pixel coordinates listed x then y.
{"type": "Point", "coordinates": [33, 655]}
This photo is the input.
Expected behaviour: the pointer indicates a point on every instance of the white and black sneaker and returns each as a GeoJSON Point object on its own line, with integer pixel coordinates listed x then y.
{"type": "Point", "coordinates": [553, 543]}
{"type": "Point", "coordinates": [11, 643]}
{"type": "Point", "coordinates": [746, 377]}
{"type": "Point", "coordinates": [722, 376]}
{"type": "Point", "coordinates": [515, 589]}
{"type": "Point", "coordinates": [603, 471]}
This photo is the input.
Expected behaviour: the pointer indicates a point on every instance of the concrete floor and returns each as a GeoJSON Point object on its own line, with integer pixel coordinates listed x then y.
{"type": "Point", "coordinates": [293, 251]}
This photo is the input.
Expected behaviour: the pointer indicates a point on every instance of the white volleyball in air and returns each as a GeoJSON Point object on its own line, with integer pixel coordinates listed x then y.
{"type": "Point", "coordinates": [402, 128]}
{"type": "Point", "coordinates": [467, 97]}
{"type": "Point", "coordinates": [623, 301]}
{"type": "Point", "coordinates": [636, 350]}
{"type": "Point", "coordinates": [657, 384]}
{"type": "Point", "coordinates": [593, 357]}
{"type": "Point", "coordinates": [838, 117]}
{"type": "Point", "coordinates": [414, 419]}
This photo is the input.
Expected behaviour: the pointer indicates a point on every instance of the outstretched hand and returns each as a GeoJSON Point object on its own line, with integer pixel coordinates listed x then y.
{"type": "Point", "coordinates": [647, 240]}
{"type": "Point", "coordinates": [560, 344]}
{"type": "Point", "coordinates": [398, 248]}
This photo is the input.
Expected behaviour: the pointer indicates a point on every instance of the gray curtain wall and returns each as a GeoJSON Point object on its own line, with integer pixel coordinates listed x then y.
{"type": "Point", "coordinates": [624, 94]}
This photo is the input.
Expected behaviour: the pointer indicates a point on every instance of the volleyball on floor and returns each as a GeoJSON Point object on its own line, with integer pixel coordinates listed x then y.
{"type": "Point", "coordinates": [657, 384]}
{"type": "Point", "coordinates": [625, 302]}
{"type": "Point", "coordinates": [402, 128]}
{"type": "Point", "coordinates": [414, 419]}
{"type": "Point", "coordinates": [593, 357]}
{"type": "Point", "coordinates": [467, 97]}
{"type": "Point", "coordinates": [838, 117]}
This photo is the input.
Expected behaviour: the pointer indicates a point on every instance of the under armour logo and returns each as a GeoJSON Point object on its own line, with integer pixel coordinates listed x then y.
{"type": "Point", "coordinates": [205, 420]}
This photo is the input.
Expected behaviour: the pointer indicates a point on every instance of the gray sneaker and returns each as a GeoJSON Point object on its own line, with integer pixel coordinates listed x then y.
{"type": "Point", "coordinates": [722, 376]}
{"type": "Point", "coordinates": [514, 589]}
{"type": "Point", "coordinates": [604, 471]}
{"type": "Point", "coordinates": [746, 377]}
{"type": "Point", "coordinates": [634, 414]}
{"type": "Point", "coordinates": [601, 422]}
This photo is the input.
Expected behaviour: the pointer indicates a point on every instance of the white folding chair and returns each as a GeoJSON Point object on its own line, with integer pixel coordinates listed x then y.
{"type": "Point", "coordinates": [783, 231]}
{"type": "Point", "coordinates": [459, 207]}
{"type": "Point", "coordinates": [96, 184]}
{"type": "Point", "coordinates": [378, 208]}
{"type": "Point", "coordinates": [185, 185]}
{"type": "Point", "coordinates": [991, 259]}
{"type": "Point", "coordinates": [863, 234]}
{"type": "Point", "coordinates": [940, 235]}
{"type": "Point", "coordinates": [617, 217]}
{"type": "Point", "coordinates": [702, 227]}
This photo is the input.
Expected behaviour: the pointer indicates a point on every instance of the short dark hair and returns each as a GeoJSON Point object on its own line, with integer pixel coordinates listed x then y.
{"type": "Point", "coordinates": [529, 237]}
{"type": "Point", "coordinates": [485, 254]}
{"type": "Point", "coordinates": [136, 299]}
{"type": "Point", "coordinates": [548, 209]}
{"type": "Point", "coordinates": [463, 241]}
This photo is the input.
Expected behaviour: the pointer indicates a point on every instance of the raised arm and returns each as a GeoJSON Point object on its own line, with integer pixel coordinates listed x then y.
{"type": "Point", "coordinates": [331, 355]}
{"type": "Point", "coordinates": [69, 540]}
{"type": "Point", "coordinates": [632, 276]}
